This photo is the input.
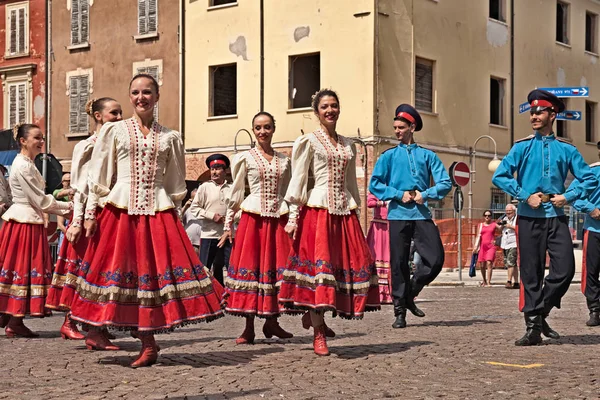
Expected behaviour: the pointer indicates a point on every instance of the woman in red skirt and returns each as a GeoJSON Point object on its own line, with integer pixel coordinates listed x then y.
{"type": "Point", "coordinates": [330, 266]}
{"type": "Point", "coordinates": [261, 246]}
{"type": "Point", "coordinates": [140, 271]}
{"type": "Point", "coordinates": [64, 279]}
{"type": "Point", "coordinates": [26, 266]}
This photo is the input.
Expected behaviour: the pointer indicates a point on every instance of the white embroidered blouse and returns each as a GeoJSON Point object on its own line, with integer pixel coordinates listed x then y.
{"type": "Point", "coordinates": [150, 170]}
{"type": "Point", "coordinates": [335, 187]}
{"type": "Point", "coordinates": [268, 183]}
{"type": "Point", "coordinates": [30, 202]}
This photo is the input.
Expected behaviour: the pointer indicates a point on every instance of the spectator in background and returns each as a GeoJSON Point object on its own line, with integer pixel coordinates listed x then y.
{"type": "Point", "coordinates": [63, 194]}
{"type": "Point", "coordinates": [192, 225]}
{"type": "Point", "coordinates": [509, 245]}
{"type": "Point", "coordinates": [5, 193]}
{"type": "Point", "coordinates": [378, 239]}
{"type": "Point", "coordinates": [486, 247]}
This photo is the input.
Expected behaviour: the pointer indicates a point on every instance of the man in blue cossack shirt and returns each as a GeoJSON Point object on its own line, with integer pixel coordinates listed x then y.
{"type": "Point", "coordinates": [402, 176]}
{"type": "Point", "coordinates": [542, 162]}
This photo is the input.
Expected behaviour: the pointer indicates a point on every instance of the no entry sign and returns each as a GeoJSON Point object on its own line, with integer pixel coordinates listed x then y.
{"type": "Point", "coordinates": [460, 173]}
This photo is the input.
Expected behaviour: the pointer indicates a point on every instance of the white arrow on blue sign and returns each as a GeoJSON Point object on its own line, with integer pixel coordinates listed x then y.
{"type": "Point", "coordinates": [524, 107]}
{"type": "Point", "coordinates": [569, 115]}
{"type": "Point", "coordinates": [578, 91]}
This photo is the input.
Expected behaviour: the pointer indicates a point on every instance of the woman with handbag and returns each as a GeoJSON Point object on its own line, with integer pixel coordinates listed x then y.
{"type": "Point", "coordinates": [486, 247]}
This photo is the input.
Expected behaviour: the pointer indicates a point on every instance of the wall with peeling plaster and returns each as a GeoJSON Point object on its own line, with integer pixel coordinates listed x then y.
{"type": "Point", "coordinates": [37, 57]}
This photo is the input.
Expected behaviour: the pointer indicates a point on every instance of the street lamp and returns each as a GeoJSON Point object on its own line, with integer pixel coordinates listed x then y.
{"type": "Point", "coordinates": [492, 166]}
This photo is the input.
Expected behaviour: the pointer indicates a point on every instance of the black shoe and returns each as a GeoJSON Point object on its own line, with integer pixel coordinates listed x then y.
{"type": "Point", "coordinates": [533, 335]}
{"type": "Point", "coordinates": [400, 321]}
{"type": "Point", "coordinates": [412, 307]}
{"type": "Point", "coordinates": [594, 319]}
{"type": "Point", "coordinates": [547, 331]}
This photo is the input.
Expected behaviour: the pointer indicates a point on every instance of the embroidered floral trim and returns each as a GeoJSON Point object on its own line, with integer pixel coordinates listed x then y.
{"type": "Point", "coordinates": [90, 214]}
{"type": "Point", "coordinates": [270, 177]}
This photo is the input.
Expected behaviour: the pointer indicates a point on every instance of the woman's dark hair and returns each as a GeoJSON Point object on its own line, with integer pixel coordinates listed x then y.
{"type": "Point", "coordinates": [147, 76]}
{"type": "Point", "coordinates": [319, 95]}
{"type": "Point", "coordinates": [265, 114]}
{"type": "Point", "coordinates": [488, 211]}
{"type": "Point", "coordinates": [96, 105]}
{"type": "Point", "coordinates": [22, 131]}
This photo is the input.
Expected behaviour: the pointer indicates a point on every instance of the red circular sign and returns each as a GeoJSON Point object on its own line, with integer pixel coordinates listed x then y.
{"type": "Point", "coordinates": [460, 173]}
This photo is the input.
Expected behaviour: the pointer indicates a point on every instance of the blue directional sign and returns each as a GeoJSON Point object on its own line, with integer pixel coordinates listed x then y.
{"type": "Point", "coordinates": [577, 91]}
{"type": "Point", "coordinates": [569, 115]}
{"type": "Point", "coordinates": [524, 107]}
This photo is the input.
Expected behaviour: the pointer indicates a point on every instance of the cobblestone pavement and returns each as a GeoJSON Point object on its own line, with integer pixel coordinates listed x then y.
{"type": "Point", "coordinates": [462, 349]}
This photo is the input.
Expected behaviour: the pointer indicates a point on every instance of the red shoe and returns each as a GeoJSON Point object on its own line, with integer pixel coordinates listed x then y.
{"type": "Point", "coordinates": [307, 323]}
{"type": "Point", "coordinates": [19, 331]}
{"type": "Point", "coordinates": [69, 330]}
{"type": "Point", "coordinates": [271, 328]}
{"type": "Point", "coordinates": [109, 335]}
{"type": "Point", "coordinates": [247, 336]}
{"type": "Point", "coordinates": [4, 318]}
{"type": "Point", "coordinates": [97, 341]}
{"type": "Point", "coordinates": [149, 353]}
{"type": "Point", "coordinates": [136, 335]}
{"type": "Point", "coordinates": [320, 341]}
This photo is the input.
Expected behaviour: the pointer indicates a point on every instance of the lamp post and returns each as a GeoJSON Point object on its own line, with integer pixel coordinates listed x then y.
{"type": "Point", "coordinates": [492, 166]}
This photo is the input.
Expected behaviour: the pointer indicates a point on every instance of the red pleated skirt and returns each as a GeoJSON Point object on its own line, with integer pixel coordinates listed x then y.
{"type": "Point", "coordinates": [26, 269]}
{"type": "Point", "coordinates": [66, 271]}
{"type": "Point", "coordinates": [260, 252]}
{"type": "Point", "coordinates": [330, 266]}
{"type": "Point", "coordinates": [141, 272]}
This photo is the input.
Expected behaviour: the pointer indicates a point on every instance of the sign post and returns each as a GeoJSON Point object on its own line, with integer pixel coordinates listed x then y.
{"type": "Point", "coordinates": [460, 174]}
{"type": "Point", "coordinates": [576, 91]}
{"type": "Point", "coordinates": [569, 115]}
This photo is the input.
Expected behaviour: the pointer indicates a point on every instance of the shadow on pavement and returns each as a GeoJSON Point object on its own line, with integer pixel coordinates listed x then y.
{"type": "Point", "coordinates": [199, 360]}
{"type": "Point", "coordinates": [363, 350]}
{"type": "Point", "coordinates": [578, 339]}
{"type": "Point", "coordinates": [222, 395]}
{"type": "Point", "coordinates": [465, 322]}
{"type": "Point", "coordinates": [48, 334]}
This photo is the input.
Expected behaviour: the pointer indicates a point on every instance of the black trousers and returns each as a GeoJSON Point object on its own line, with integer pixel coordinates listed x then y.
{"type": "Point", "coordinates": [591, 288]}
{"type": "Point", "coordinates": [429, 246]}
{"type": "Point", "coordinates": [211, 255]}
{"type": "Point", "coordinates": [536, 236]}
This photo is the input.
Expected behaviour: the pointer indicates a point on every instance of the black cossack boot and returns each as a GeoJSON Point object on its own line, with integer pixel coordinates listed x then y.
{"type": "Point", "coordinates": [415, 289]}
{"type": "Point", "coordinates": [399, 313]}
{"type": "Point", "coordinates": [594, 307]}
{"type": "Point", "coordinates": [533, 335]}
{"type": "Point", "coordinates": [546, 330]}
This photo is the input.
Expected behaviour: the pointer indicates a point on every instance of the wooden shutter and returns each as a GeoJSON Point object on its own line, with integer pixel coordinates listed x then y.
{"type": "Point", "coordinates": [84, 9]}
{"type": "Point", "coordinates": [75, 38]}
{"type": "Point", "coordinates": [73, 104]}
{"type": "Point", "coordinates": [12, 105]}
{"type": "Point", "coordinates": [21, 32]}
{"type": "Point", "coordinates": [84, 93]}
{"type": "Point", "coordinates": [13, 31]}
{"type": "Point", "coordinates": [22, 103]}
{"type": "Point", "coordinates": [151, 70]}
{"type": "Point", "coordinates": [152, 16]}
{"type": "Point", "coordinates": [142, 17]}
{"type": "Point", "coordinates": [424, 85]}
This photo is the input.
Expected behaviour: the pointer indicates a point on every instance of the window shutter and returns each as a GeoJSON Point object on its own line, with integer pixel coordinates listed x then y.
{"type": "Point", "coordinates": [75, 39]}
{"type": "Point", "coordinates": [424, 87]}
{"type": "Point", "coordinates": [12, 106]}
{"type": "Point", "coordinates": [21, 31]}
{"type": "Point", "coordinates": [22, 104]}
{"type": "Point", "coordinates": [142, 17]}
{"type": "Point", "coordinates": [84, 9]}
{"type": "Point", "coordinates": [151, 70]}
{"type": "Point", "coordinates": [73, 103]}
{"type": "Point", "coordinates": [13, 31]}
{"type": "Point", "coordinates": [152, 20]}
{"type": "Point", "coordinates": [84, 90]}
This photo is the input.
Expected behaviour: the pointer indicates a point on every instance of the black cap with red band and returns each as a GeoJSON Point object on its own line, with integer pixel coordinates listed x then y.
{"type": "Point", "coordinates": [540, 100]}
{"type": "Point", "coordinates": [408, 113]}
{"type": "Point", "coordinates": [217, 160]}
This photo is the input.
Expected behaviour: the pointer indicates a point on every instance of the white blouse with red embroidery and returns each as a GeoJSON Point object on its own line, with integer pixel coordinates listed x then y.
{"type": "Point", "coordinates": [334, 170]}
{"type": "Point", "coordinates": [268, 181]}
{"type": "Point", "coordinates": [150, 170]}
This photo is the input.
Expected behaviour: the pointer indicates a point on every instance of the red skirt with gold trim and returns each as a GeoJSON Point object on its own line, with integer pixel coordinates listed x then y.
{"type": "Point", "coordinates": [26, 269]}
{"type": "Point", "coordinates": [141, 272]}
{"type": "Point", "coordinates": [330, 266]}
{"type": "Point", "coordinates": [260, 252]}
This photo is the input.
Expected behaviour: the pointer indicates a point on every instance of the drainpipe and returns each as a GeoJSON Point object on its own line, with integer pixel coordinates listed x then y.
{"type": "Point", "coordinates": [181, 39]}
{"type": "Point", "coordinates": [512, 72]}
{"type": "Point", "coordinates": [262, 55]}
{"type": "Point", "coordinates": [48, 86]}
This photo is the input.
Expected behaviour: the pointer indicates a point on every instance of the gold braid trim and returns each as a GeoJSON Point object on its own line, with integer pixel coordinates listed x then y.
{"type": "Point", "coordinates": [24, 291]}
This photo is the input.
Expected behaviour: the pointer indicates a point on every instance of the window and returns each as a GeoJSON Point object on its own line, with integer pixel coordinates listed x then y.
{"type": "Point", "coordinates": [80, 21]}
{"type": "Point", "coordinates": [424, 85]}
{"type": "Point", "coordinates": [147, 17]}
{"type": "Point", "coordinates": [223, 93]}
{"type": "Point", "coordinates": [498, 199]}
{"type": "Point", "coordinates": [213, 3]}
{"type": "Point", "coordinates": [304, 79]}
{"type": "Point", "coordinates": [79, 87]}
{"type": "Point", "coordinates": [17, 103]}
{"type": "Point", "coordinates": [562, 22]}
{"type": "Point", "coordinates": [17, 29]}
{"type": "Point", "coordinates": [497, 10]}
{"type": "Point", "coordinates": [496, 101]}
{"type": "Point", "coordinates": [153, 68]}
{"type": "Point", "coordinates": [590, 121]}
{"type": "Point", "coordinates": [590, 32]}
{"type": "Point", "coordinates": [561, 125]}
